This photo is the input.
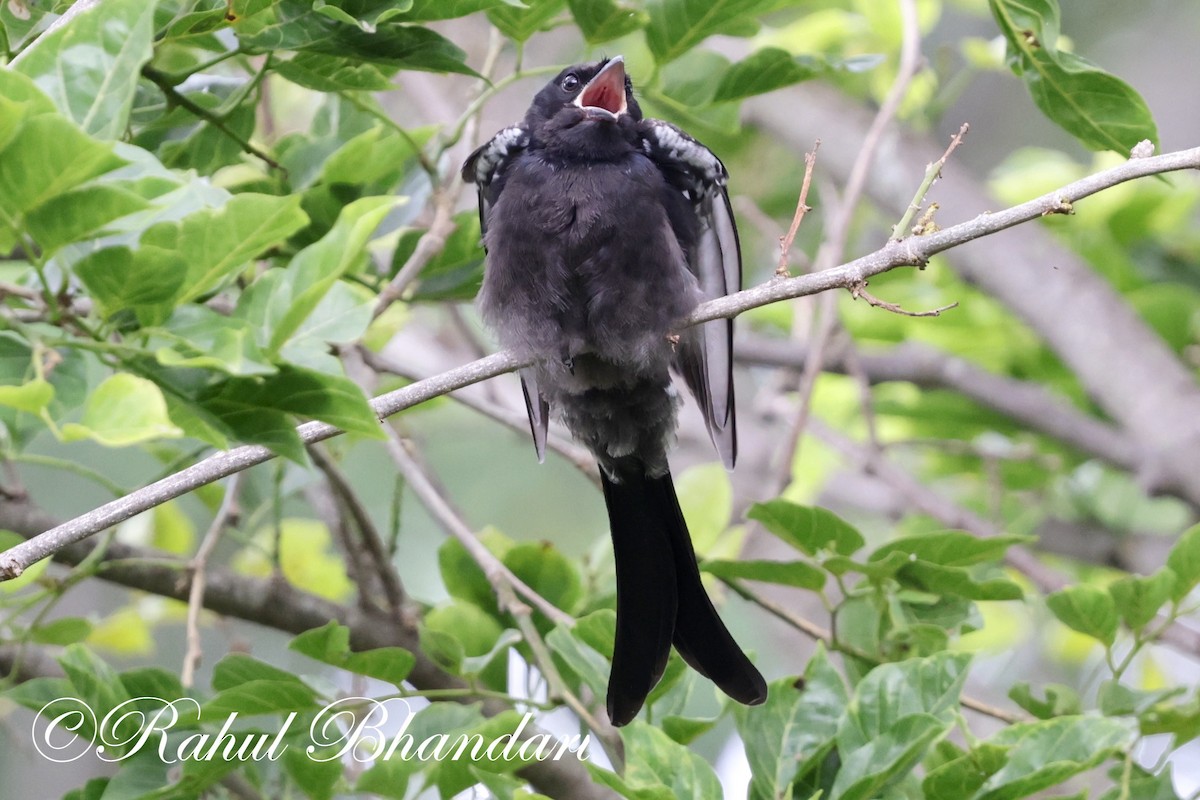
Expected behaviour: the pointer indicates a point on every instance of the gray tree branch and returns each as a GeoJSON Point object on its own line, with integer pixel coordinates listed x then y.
{"type": "Point", "coordinates": [1170, 457]}
{"type": "Point", "coordinates": [1124, 366]}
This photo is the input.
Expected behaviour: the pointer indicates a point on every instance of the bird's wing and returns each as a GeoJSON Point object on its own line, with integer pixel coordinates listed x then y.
{"type": "Point", "coordinates": [705, 353]}
{"type": "Point", "coordinates": [486, 168]}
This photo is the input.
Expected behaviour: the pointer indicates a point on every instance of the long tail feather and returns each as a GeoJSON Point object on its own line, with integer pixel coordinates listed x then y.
{"type": "Point", "coordinates": [660, 601]}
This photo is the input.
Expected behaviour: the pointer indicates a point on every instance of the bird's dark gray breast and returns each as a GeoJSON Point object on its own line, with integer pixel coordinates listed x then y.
{"type": "Point", "coordinates": [582, 260]}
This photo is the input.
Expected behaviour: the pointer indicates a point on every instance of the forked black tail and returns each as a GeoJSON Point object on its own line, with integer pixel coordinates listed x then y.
{"type": "Point", "coordinates": [661, 601]}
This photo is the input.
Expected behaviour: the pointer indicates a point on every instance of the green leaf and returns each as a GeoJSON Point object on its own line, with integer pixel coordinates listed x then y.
{"type": "Point", "coordinates": [604, 20]}
{"type": "Point", "coordinates": [342, 317]}
{"type": "Point", "coordinates": [785, 573]}
{"type": "Point", "coordinates": [317, 778]}
{"type": "Point", "coordinates": [584, 660]}
{"type": "Point", "coordinates": [90, 66]}
{"type": "Point", "coordinates": [1060, 701]}
{"type": "Point", "coordinates": [961, 777]}
{"type": "Point", "coordinates": [520, 23]}
{"type": "Point", "coordinates": [809, 530]}
{"type": "Point", "coordinates": [544, 568]}
{"type": "Point", "coordinates": [936, 579]}
{"type": "Point", "coordinates": [331, 644]}
{"type": "Point", "coordinates": [463, 577]}
{"type": "Point", "coordinates": [1086, 609]}
{"type": "Point", "coordinates": [653, 760]}
{"type": "Point", "coordinates": [879, 763]}
{"type": "Point", "coordinates": [1184, 561]}
{"type": "Point", "coordinates": [456, 272]}
{"type": "Point", "coordinates": [66, 630]}
{"type": "Point", "coordinates": [474, 629]}
{"type": "Point", "coordinates": [94, 681]}
{"type": "Point", "coordinates": [279, 307]}
{"type": "Point", "coordinates": [794, 728]}
{"type": "Point", "coordinates": [424, 10]}
{"type": "Point", "coordinates": [331, 73]}
{"type": "Point", "coordinates": [1100, 110]}
{"type": "Point", "coordinates": [32, 397]}
{"type": "Point", "coordinates": [1138, 598]}
{"type": "Point", "coordinates": [80, 213]}
{"type": "Point", "coordinates": [676, 26]}
{"type": "Point", "coordinates": [367, 16]}
{"type": "Point", "coordinates": [892, 692]}
{"type": "Point", "coordinates": [261, 697]}
{"type": "Point", "coordinates": [1045, 754]}
{"type": "Point", "coordinates": [238, 668]}
{"type": "Point", "coordinates": [216, 242]}
{"type": "Point", "coordinates": [950, 548]}
{"type": "Point", "coordinates": [123, 410]}
{"type": "Point", "coordinates": [765, 71]}
{"type": "Point", "coordinates": [201, 338]}
{"type": "Point", "coordinates": [296, 25]}
{"type": "Point", "coordinates": [146, 282]}
{"type": "Point", "coordinates": [48, 156]}
{"type": "Point", "coordinates": [246, 403]}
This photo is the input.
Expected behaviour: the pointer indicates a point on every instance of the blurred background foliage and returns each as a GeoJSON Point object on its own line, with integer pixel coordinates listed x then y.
{"type": "Point", "coordinates": [202, 203]}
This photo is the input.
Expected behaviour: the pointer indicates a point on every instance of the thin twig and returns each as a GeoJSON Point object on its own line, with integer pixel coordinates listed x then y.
{"type": "Point", "coordinates": [913, 251]}
{"type": "Point", "coordinates": [834, 245]}
{"type": "Point", "coordinates": [372, 541]}
{"type": "Point", "coordinates": [932, 173]}
{"type": "Point", "coordinates": [802, 208]}
{"type": "Point", "coordinates": [163, 82]}
{"type": "Point", "coordinates": [820, 634]}
{"type": "Point", "coordinates": [440, 509]}
{"type": "Point", "coordinates": [227, 512]}
{"type": "Point", "coordinates": [432, 242]}
{"type": "Point", "coordinates": [859, 290]}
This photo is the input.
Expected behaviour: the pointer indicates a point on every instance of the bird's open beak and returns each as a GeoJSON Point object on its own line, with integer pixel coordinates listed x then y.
{"type": "Point", "coordinates": [604, 96]}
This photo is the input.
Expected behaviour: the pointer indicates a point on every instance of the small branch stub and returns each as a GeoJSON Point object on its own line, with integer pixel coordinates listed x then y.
{"type": "Point", "coordinates": [802, 208]}
{"type": "Point", "coordinates": [859, 290]}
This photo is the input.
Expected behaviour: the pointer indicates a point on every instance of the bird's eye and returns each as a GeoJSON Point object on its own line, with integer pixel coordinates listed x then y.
{"type": "Point", "coordinates": [570, 83]}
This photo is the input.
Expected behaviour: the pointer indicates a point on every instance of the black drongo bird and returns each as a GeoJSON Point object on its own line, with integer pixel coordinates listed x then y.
{"type": "Point", "coordinates": [602, 229]}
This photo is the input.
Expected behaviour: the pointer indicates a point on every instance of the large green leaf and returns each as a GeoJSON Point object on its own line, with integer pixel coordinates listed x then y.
{"type": "Point", "coordinates": [677, 26]}
{"type": "Point", "coordinates": [891, 692]}
{"type": "Point", "coordinates": [521, 23]}
{"type": "Point", "coordinates": [1138, 598]}
{"type": "Point", "coordinates": [121, 411]}
{"type": "Point", "coordinates": [809, 530]}
{"type": "Point", "coordinates": [653, 760]}
{"type": "Point", "coordinates": [242, 403]}
{"type": "Point", "coordinates": [1100, 110]}
{"type": "Point", "coordinates": [278, 303]}
{"type": "Point", "coordinates": [331, 645]}
{"type": "Point", "coordinates": [297, 25]}
{"type": "Point", "coordinates": [216, 242]}
{"type": "Point", "coordinates": [89, 67]}
{"type": "Point", "coordinates": [1184, 562]}
{"type": "Point", "coordinates": [1086, 609]}
{"type": "Point", "coordinates": [785, 573]}
{"type": "Point", "coordinates": [764, 71]}
{"type": "Point", "coordinates": [794, 728]}
{"type": "Point", "coordinates": [1045, 754]}
{"type": "Point", "coordinates": [423, 10]}
{"type": "Point", "coordinates": [604, 20]}
{"type": "Point", "coordinates": [45, 157]}
{"type": "Point", "coordinates": [885, 759]}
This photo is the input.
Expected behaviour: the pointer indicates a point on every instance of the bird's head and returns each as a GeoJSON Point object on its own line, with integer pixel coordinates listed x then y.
{"type": "Point", "coordinates": [586, 107]}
